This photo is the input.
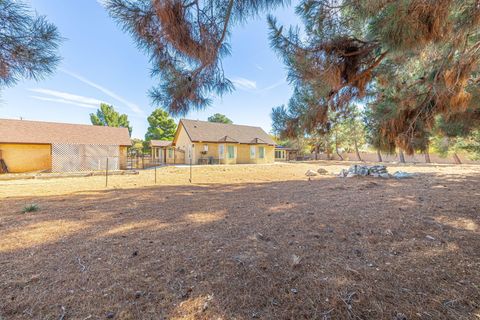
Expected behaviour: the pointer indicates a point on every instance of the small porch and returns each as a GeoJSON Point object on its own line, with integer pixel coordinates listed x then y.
{"type": "Point", "coordinates": [285, 153]}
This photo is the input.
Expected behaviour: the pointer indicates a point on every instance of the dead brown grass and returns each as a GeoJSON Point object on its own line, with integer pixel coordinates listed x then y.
{"type": "Point", "coordinates": [280, 249]}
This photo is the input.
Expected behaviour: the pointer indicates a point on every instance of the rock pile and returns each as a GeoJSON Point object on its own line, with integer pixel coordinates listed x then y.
{"type": "Point", "coordinates": [363, 170]}
{"type": "Point", "coordinates": [378, 171]}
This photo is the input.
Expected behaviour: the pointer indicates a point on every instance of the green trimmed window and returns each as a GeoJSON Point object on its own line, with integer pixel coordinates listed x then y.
{"type": "Point", "coordinates": [261, 152]}
{"type": "Point", "coordinates": [231, 152]}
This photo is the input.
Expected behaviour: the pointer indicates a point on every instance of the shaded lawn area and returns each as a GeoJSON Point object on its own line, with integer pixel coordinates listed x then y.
{"type": "Point", "coordinates": [327, 249]}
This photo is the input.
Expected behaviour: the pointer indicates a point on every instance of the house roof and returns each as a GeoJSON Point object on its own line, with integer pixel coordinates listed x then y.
{"type": "Point", "coordinates": [203, 131]}
{"type": "Point", "coordinates": [285, 148]}
{"type": "Point", "coordinates": [160, 143]}
{"type": "Point", "coordinates": [38, 132]}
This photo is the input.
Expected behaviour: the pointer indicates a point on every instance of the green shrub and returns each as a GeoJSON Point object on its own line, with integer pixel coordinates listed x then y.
{"type": "Point", "coordinates": [30, 208]}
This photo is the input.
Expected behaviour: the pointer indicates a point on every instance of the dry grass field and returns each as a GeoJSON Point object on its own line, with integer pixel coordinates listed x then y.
{"type": "Point", "coordinates": [243, 242]}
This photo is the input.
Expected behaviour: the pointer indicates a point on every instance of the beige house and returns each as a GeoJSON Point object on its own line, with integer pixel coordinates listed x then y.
{"type": "Point", "coordinates": [27, 146]}
{"type": "Point", "coordinates": [218, 143]}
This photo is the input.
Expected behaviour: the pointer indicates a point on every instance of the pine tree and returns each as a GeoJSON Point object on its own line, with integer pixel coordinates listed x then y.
{"type": "Point", "coordinates": [161, 126]}
{"type": "Point", "coordinates": [28, 44]}
{"type": "Point", "coordinates": [186, 41]}
{"type": "Point", "coordinates": [220, 118]}
{"type": "Point", "coordinates": [108, 116]}
{"type": "Point", "coordinates": [418, 59]}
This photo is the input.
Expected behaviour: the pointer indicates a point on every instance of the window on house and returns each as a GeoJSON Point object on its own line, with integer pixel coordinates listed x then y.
{"type": "Point", "coordinates": [205, 147]}
{"type": "Point", "coordinates": [252, 152]}
{"type": "Point", "coordinates": [221, 151]}
{"type": "Point", "coordinates": [231, 152]}
{"type": "Point", "coordinates": [170, 153]}
{"type": "Point", "coordinates": [261, 152]}
{"type": "Point", "coordinates": [278, 154]}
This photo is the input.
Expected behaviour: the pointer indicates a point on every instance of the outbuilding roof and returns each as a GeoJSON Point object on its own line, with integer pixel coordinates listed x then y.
{"type": "Point", "coordinates": [204, 131]}
{"type": "Point", "coordinates": [160, 143]}
{"type": "Point", "coordinates": [39, 132]}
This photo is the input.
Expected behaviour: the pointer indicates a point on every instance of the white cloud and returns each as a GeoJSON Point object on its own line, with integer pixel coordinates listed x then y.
{"type": "Point", "coordinates": [69, 97]}
{"type": "Point", "coordinates": [259, 67]}
{"type": "Point", "coordinates": [244, 84]}
{"type": "Point", "coordinates": [134, 107]}
{"type": "Point", "coordinates": [78, 104]}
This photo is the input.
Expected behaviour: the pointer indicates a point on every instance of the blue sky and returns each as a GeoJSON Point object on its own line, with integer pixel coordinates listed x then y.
{"type": "Point", "coordinates": [102, 64]}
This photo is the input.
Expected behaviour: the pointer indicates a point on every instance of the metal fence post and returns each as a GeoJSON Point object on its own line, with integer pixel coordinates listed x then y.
{"type": "Point", "coordinates": [106, 175]}
{"type": "Point", "coordinates": [190, 170]}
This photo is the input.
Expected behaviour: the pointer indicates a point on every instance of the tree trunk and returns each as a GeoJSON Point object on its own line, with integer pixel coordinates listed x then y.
{"type": "Point", "coordinates": [427, 157]}
{"type": "Point", "coordinates": [338, 153]}
{"type": "Point", "coordinates": [356, 149]}
{"type": "Point", "coordinates": [336, 147]}
{"type": "Point", "coordinates": [379, 156]}
{"type": "Point", "coordinates": [456, 158]}
{"type": "Point", "coordinates": [327, 149]}
{"type": "Point", "coordinates": [402, 156]}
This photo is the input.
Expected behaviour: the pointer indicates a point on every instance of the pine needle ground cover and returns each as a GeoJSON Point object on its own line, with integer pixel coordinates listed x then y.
{"type": "Point", "coordinates": [255, 242]}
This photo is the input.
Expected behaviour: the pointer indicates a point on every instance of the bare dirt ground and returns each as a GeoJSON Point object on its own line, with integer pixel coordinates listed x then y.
{"type": "Point", "coordinates": [243, 242]}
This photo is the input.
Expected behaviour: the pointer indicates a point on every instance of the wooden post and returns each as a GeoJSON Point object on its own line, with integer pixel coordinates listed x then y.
{"type": "Point", "coordinates": [106, 175]}
{"type": "Point", "coordinates": [155, 174]}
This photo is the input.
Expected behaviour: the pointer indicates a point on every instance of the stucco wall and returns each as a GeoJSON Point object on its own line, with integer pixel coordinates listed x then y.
{"type": "Point", "coordinates": [269, 154]}
{"type": "Point", "coordinates": [182, 141]}
{"type": "Point", "coordinates": [175, 156]}
{"type": "Point", "coordinates": [123, 158]}
{"type": "Point", "coordinates": [26, 157]}
{"type": "Point", "coordinates": [242, 153]}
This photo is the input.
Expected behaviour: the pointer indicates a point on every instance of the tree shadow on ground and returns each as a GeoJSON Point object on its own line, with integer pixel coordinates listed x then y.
{"type": "Point", "coordinates": [329, 248]}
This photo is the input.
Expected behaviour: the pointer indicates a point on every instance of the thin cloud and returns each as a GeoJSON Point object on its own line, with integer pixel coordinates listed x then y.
{"type": "Point", "coordinates": [250, 85]}
{"type": "Point", "coordinates": [69, 97]}
{"type": "Point", "coordinates": [259, 67]}
{"type": "Point", "coordinates": [273, 86]}
{"type": "Point", "coordinates": [78, 104]}
{"type": "Point", "coordinates": [134, 107]}
{"type": "Point", "coordinates": [244, 84]}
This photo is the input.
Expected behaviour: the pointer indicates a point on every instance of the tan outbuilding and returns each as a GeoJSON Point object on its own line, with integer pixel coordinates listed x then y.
{"type": "Point", "coordinates": [218, 143]}
{"type": "Point", "coordinates": [27, 146]}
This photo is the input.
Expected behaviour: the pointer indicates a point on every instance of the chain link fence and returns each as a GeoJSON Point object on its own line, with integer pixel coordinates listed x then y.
{"type": "Point", "coordinates": [76, 158]}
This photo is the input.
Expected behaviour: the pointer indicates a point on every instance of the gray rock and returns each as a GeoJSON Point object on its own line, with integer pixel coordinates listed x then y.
{"type": "Point", "coordinates": [343, 173]}
{"type": "Point", "coordinates": [310, 173]}
{"type": "Point", "coordinates": [402, 175]}
{"type": "Point", "coordinates": [322, 171]}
